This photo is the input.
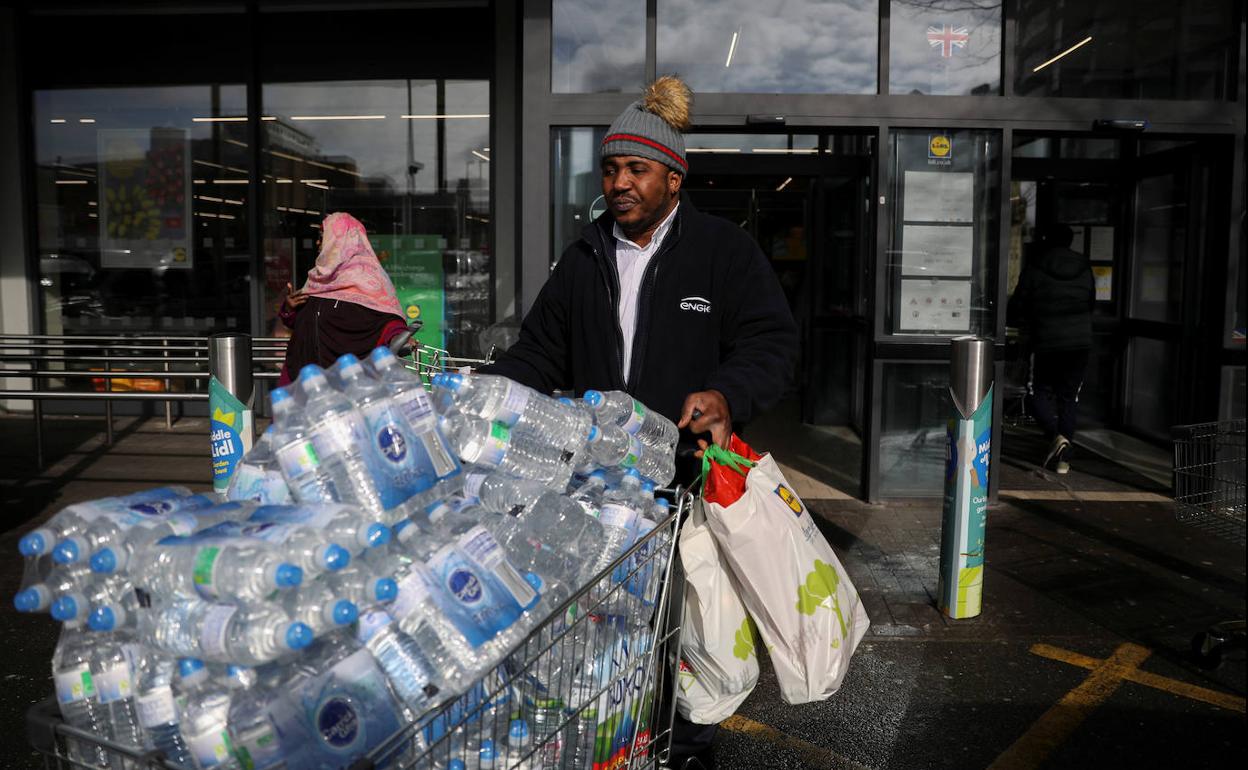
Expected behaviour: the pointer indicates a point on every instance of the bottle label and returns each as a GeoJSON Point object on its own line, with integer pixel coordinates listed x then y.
{"type": "Point", "coordinates": [157, 707]}
{"type": "Point", "coordinates": [204, 570]}
{"type": "Point", "coordinates": [493, 447]}
{"type": "Point", "coordinates": [514, 401]}
{"type": "Point", "coordinates": [482, 548]}
{"type": "Point", "coordinates": [413, 590]}
{"type": "Point", "coordinates": [645, 584]}
{"type": "Point", "coordinates": [634, 453]}
{"type": "Point", "coordinates": [210, 748]}
{"type": "Point", "coordinates": [398, 462]}
{"type": "Point", "coordinates": [485, 606]}
{"type": "Point", "coordinates": [75, 684]}
{"type": "Point", "coordinates": [338, 434]}
{"type": "Point", "coordinates": [212, 637]}
{"type": "Point", "coordinates": [416, 410]}
{"type": "Point", "coordinates": [372, 621]}
{"type": "Point", "coordinates": [635, 418]}
{"type": "Point", "coordinates": [472, 485]}
{"type": "Point", "coordinates": [619, 515]}
{"type": "Point", "coordinates": [113, 683]}
{"type": "Point", "coordinates": [298, 459]}
{"type": "Point", "coordinates": [257, 745]}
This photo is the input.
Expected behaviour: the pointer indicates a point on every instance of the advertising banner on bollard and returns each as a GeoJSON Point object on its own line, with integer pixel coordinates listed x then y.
{"type": "Point", "coordinates": [230, 432]}
{"type": "Point", "coordinates": [968, 448]}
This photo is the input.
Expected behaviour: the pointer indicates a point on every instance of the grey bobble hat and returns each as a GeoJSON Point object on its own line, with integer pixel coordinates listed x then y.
{"type": "Point", "coordinates": [653, 126]}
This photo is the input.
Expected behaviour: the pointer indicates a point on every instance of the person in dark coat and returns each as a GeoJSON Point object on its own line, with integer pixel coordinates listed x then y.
{"type": "Point", "coordinates": [678, 308]}
{"type": "Point", "coordinates": [347, 304]}
{"type": "Point", "coordinates": [1053, 305]}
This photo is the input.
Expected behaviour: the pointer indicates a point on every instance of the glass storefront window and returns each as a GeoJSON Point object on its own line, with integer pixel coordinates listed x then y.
{"type": "Point", "coordinates": [915, 407]}
{"type": "Point", "coordinates": [944, 47]}
{"type": "Point", "coordinates": [1160, 248]}
{"type": "Point", "coordinates": [770, 46]}
{"type": "Point", "coordinates": [142, 208]}
{"type": "Point", "coordinates": [577, 184]}
{"type": "Point", "coordinates": [754, 144]}
{"type": "Point", "coordinates": [597, 45]}
{"type": "Point", "coordinates": [409, 159]}
{"type": "Point", "coordinates": [945, 235]}
{"type": "Point", "coordinates": [1127, 49]}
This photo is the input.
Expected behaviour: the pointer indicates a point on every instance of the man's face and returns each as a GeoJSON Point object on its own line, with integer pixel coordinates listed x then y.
{"type": "Point", "coordinates": [639, 191]}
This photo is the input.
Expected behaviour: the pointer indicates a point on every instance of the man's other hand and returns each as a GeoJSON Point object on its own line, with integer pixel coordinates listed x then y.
{"type": "Point", "coordinates": [294, 298]}
{"type": "Point", "coordinates": [707, 412]}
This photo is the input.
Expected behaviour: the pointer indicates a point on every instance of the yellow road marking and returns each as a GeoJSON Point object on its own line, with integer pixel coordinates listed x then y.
{"type": "Point", "coordinates": [1056, 725]}
{"type": "Point", "coordinates": [816, 756]}
{"type": "Point", "coordinates": [1166, 684]}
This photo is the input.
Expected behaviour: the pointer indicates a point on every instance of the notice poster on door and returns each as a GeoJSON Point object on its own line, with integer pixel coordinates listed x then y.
{"type": "Point", "coordinates": [1103, 275]}
{"type": "Point", "coordinates": [932, 250]}
{"type": "Point", "coordinates": [939, 196]}
{"type": "Point", "coordinates": [1101, 244]}
{"type": "Point", "coordinates": [414, 264]}
{"type": "Point", "coordinates": [934, 306]}
{"type": "Point", "coordinates": [145, 198]}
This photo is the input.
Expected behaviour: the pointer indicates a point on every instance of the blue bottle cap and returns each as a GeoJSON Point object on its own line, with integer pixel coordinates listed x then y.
{"type": "Point", "coordinates": [378, 534]}
{"type": "Point", "coordinates": [65, 552]}
{"type": "Point", "coordinates": [278, 395]}
{"type": "Point", "coordinates": [346, 359]}
{"type": "Point", "coordinates": [534, 580]}
{"type": "Point", "coordinates": [26, 600]}
{"type": "Point", "coordinates": [104, 560]}
{"type": "Point", "coordinates": [381, 355]}
{"type": "Point", "coordinates": [594, 398]}
{"type": "Point", "coordinates": [188, 666]}
{"type": "Point", "coordinates": [399, 526]}
{"type": "Point", "coordinates": [632, 473]}
{"type": "Point", "coordinates": [487, 753]}
{"type": "Point", "coordinates": [298, 636]}
{"type": "Point", "coordinates": [453, 381]}
{"type": "Point", "coordinates": [336, 557]}
{"type": "Point", "coordinates": [288, 575]}
{"type": "Point", "coordinates": [65, 608]}
{"type": "Point", "coordinates": [32, 544]}
{"type": "Point", "coordinates": [385, 589]}
{"type": "Point", "coordinates": [456, 764]}
{"type": "Point", "coordinates": [566, 401]}
{"type": "Point", "coordinates": [599, 474]}
{"type": "Point", "coordinates": [102, 619]}
{"type": "Point", "coordinates": [519, 729]}
{"type": "Point", "coordinates": [647, 485]}
{"type": "Point", "coordinates": [234, 670]}
{"type": "Point", "coordinates": [345, 612]}
{"type": "Point", "coordinates": [594, 433]}
{"type": "Point", "coordinates": [311, 373]}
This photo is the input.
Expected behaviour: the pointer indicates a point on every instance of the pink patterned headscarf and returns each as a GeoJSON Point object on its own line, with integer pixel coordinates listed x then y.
{"type": "Point", "coordinates": [347, 267]}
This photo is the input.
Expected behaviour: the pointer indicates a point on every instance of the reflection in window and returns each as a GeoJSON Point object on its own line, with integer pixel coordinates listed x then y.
{"type": "Point", "coordinates": [1128, 49]}
{"type": "Point", "coordinates": [410, 159]}
{"type": "Point", "coordinates": [944, 47]}
{"type": "Point", "coordinates": [597, 45]}
{"type": "Point", "coordinates": [142, 221]}
{"type": "Point", "coordinates": [578, 184]}
{"type": "Point", "coordinates": [770, 46]}
{"type": "Point", "coordinates": [1160, 248]}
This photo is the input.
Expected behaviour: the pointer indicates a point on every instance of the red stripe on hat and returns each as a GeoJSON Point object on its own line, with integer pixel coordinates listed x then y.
{"type": "Point", "coordinates": [649, 143]}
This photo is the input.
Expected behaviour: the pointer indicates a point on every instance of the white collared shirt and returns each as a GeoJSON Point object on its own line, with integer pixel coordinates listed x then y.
{"type": "Point", "coordinates": [630, 266]}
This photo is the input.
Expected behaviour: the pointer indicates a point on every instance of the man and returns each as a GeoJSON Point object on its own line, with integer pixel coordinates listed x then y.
{"type": "Point", "coordinates": [678, 308]}
{"type": "Point", "coordinates": [1053, 305]}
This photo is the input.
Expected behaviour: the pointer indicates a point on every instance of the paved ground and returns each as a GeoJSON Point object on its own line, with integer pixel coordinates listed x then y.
{"type": "Point", "coordinates": [1079, 660]}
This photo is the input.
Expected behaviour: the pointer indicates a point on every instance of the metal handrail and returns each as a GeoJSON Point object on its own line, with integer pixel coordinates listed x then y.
{"type": "Point", "coordinates": [132, 359]}
{"type": "Point", "coordinates": [89, 395]}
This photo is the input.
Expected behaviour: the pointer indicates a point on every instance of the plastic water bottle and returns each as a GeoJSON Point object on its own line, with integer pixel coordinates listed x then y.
{"type": "Point", "coordinates": [398, 458]}
{"type": "Point", "coordinates": [519, 747]}
{"type": "Point", "coordinates": [612, 447]}
{"type": "Point", "coordinates": [338, 431]}
{"type": "Point", "coordinates": [114, 551]}
{"type": "Point", "coordinates": [78, 603]}
{"type": "Point", "coordinates": [258, 477]}
{"type": "Point", "coordinates": [157, 711]}
{"type": "Point", "coordinates": [111, 527]}
{"type": "Point", "coordinates": [364, 585]}
{"type": "Point", "coordinates": [494, 445]}
{"type": "Point", "coordinates": [223, 632]}
{"type": "Point", "coordinates": [618, 529]}
{"type": "Point", "coordinates": [320, 607]}
{"type": "Point", "coordinates": [320, 524]}
{"type": "Point", "coordinates": [76, 518]}
{"type": "Point", "coordinates": [74, 676]}
{"type": "Point", "coordinates": [545, 716]}
{"type": "Point", "coordinates": [617, 408]}
{"type": "Point", "coordinates": [205, 717]}
{"type": "Point", "coordinates": [413, 678]}
{"type": "Point", "coordinates": [582, 737]}
{"type": "Point", "coordinates": [411, 400]}
{"type": "Point", "coordinates": [305, 547]}
{"type": "Point", "coordinates": [232, 569]}
{"type": "Point", "coordinates": [255, 739]}
{"type": "Point", "coordinates": [115, 687]}
{"type": "Point", "coordinates": [115, 610]}
{"type": "Point", "coordinates": [499, 399]}
{"type": "Point", "coordinates": [423, 614]}
{"type": "Point", "coordinates": [61, 579]}
{"type": "Point", "coordinates": [310, 477]}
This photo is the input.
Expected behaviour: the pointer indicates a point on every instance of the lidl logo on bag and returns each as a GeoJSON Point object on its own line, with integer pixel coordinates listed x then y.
{"type": "Point", "coordinates": [790, 499]}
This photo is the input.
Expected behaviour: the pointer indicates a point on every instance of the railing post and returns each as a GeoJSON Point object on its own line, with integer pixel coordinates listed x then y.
{"type": "Point", "coordinates": [231, 392]}
{"type": "Point", "coordinates": [968, 448]}
{"type": "Point", "coordinates": [108, 402]}
{"type": "Point", "coordinates": [168, 404]}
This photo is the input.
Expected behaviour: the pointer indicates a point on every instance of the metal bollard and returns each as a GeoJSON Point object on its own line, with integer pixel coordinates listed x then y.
{"type": "Point", "coordinates": [231, 393]}
{"type": "Point", "coordinates": [968, 447]}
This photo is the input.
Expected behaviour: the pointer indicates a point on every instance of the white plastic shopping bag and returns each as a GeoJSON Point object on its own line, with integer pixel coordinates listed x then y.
{"type": "Point", "coordinates": [793, 585]}
{"type": "Point", "coordinates": [718, 657]}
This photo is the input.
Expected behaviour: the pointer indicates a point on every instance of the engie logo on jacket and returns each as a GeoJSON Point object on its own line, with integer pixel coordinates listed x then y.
{"type": "Point", "coordinates": [696, 304]}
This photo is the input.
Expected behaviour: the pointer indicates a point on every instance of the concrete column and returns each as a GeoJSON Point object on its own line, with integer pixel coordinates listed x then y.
{"type": "Point", "coordinates": [16, 310]}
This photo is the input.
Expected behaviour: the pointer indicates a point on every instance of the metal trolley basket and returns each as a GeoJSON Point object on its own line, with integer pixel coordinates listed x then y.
{"type": "Point", "coordinates": [1209, 470]}
{"type": "Point", "coordinates": [594, 681]}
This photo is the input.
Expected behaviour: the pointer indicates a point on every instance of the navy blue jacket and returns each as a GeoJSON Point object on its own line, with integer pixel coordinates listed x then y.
{"type": "Point", "coordinates": [711, 315]}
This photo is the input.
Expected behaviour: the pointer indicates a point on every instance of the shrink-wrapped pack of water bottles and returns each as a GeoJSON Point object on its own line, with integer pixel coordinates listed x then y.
{"type": "Point", "coordinates": [383, 549]}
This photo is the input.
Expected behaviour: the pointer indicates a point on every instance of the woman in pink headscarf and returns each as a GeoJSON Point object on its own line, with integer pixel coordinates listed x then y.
{"type": "Point", "coordinates": [347, 305]}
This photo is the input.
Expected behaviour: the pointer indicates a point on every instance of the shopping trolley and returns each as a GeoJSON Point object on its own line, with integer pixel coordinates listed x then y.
{"type": "Point", "coordinates": [591, 678]}
{"type": "Point", "coordinates": [1209, 474]}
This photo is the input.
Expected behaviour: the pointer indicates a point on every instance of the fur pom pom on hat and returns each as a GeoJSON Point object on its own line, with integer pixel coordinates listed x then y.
{"type": "Point", "coordinates": [653, 127]}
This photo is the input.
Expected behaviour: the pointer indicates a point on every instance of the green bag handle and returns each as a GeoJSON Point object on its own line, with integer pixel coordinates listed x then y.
{"type": "Point", "coordinates": [729, 459]}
